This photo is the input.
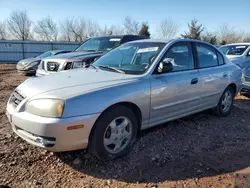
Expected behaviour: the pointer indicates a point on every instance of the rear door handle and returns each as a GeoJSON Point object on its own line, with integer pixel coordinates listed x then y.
{"type": "Point", "coordinates": [225, 74]}
{"type": "Point", "coordinates": [194, 81]}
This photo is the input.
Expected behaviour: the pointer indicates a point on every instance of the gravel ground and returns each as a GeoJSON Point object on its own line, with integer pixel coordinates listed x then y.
{"type": "Point", "coordinates": [201, 150]}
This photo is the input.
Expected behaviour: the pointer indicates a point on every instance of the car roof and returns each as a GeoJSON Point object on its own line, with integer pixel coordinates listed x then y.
{"type": "Point", "coordinates": [116, 36]}
{"type": "Point", "coordinates": [169, 40]}
{"type": "Point", "coordinates": [241, 43]}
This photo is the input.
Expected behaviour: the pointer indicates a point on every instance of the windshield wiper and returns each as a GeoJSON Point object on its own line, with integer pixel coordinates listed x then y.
{"type": "Point", "coordinates": [91, 65]}
{"type": "Point", "coordinates": [112, 68]}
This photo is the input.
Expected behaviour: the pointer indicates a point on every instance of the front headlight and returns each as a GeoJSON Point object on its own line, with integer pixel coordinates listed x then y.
{"type": "Point", "coordinates": [32, 64]}
{"type": "Point", "coordinates": [46, 107]}
{"type": "Point", "coordinates": [78, 64]}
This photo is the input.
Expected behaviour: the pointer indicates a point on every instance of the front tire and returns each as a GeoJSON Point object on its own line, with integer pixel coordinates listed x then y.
{"type": "Point", "coordinates": [114, 133]}
{"type": "Point", "coordinates": [224, 107]}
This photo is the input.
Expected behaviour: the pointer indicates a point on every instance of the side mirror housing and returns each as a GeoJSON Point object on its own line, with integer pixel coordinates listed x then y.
{"type": "Point", "coordinates": [248, 54]}
{"type": "Point", "coordinates": [165, 66]}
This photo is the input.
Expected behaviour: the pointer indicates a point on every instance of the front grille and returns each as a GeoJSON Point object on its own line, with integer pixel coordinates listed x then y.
{"type": "Point", "coordinates": [16, 98]}
{"type": "Point", "coordinates": [68, 66]}
{"type": "Point", "coordinates": [247, 78]}
{"type": "Point", "coordinates": [52, 66]}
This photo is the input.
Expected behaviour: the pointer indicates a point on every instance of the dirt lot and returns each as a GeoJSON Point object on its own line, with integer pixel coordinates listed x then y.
{"type": "Point", "coordinates": [202, 150]}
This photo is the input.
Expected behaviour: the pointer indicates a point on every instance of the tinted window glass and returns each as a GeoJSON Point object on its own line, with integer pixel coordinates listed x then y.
{"type": "Point", "coordinates": [99, 44]}
{"type": "Point", "coordinates": [206, 56]}
{"type": "Point", "coordinates": [180, 55]}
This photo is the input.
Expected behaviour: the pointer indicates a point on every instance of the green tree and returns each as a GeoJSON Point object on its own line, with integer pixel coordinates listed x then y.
{"type": "Point", "coordinates": [195, 30]}
{"type": "Point", "coordinates": [145, 30]}
{"type": "Point", "coordinates": [223, 42]}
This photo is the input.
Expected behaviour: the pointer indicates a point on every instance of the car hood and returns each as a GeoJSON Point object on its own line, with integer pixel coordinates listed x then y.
{"type": "Point", "coordinates": [234, 56]}
{"type": "Point", "coordinates": [72, 83]}
{"type": "Point", "coordinates": [72, 55]}
{"type": "Point", "coordinates": [28, 60]}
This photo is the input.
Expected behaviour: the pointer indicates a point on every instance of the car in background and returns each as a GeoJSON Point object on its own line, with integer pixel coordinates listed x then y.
{"type": "Point", "coordinates": [84, 55]}
{"type": "Point", "coordinates": [246, 81]}
{"type": "Point", "coordinates": [30, 65]}
{"type": "Point", "coordinates": [135, 86]}
{"type": "Point", "coordinates": [238, 53]}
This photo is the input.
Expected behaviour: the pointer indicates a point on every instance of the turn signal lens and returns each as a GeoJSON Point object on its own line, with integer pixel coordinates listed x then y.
{"type": "Point", "coordinates": [75, 127]}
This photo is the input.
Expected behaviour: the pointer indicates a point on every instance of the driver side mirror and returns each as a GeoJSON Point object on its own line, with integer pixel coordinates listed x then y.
{"type": "Point", "coordinates": [165, 66]}
{"type": "Point", "coordinates": [248, 54]}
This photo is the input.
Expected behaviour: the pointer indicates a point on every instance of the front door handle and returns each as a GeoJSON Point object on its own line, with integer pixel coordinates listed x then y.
{"type": "Point", "coordinates": [225, 74]}
{"type": "Point", "coordinates": [194, 81]}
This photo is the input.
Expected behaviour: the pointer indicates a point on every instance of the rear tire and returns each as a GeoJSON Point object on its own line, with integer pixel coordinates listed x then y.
{"type": "Point", "coordinates": [224, 107]}
{"type": "Point", "coordinates": [114, 133]}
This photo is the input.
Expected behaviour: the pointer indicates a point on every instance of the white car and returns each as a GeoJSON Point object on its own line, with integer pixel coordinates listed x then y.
{"type": "Point", "coordinates": [238, 53]}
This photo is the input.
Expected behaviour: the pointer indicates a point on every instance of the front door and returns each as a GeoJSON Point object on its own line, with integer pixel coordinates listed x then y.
{"type": "Point", "coordinates": [175, 94]}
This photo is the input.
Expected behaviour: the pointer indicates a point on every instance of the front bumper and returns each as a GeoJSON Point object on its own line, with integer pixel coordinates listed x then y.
{"type": "Point", "coordinates": [51, 133]}
{"type": "Point", "coordinates": [245, 87]}
{"type": "Point", "coordinates": [25, 72]}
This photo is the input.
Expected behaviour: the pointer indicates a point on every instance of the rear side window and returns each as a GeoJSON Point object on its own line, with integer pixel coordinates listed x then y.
{"type": "Point", "coordinates": [180, 55]}
{"type": "Point", "coordinates": [207, 56]}
{"type": "Point", "coordinates": [220, 59]}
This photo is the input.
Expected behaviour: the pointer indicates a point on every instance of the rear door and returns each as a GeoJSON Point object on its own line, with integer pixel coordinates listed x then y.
{"type": "Point", "coordinates": [214, 75]}
{"type": "Point", "coordinates": [175, 94]}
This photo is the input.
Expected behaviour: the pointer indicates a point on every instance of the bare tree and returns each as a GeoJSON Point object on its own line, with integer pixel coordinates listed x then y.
{"type": "Point", "coordinates": [247, 38]}
{"type": "Point", "coordinates": [92, 28]}
{"type": "Point", "coordinates": [19, 25]}
{"type": "Point", "coordinates": [112, 30]}
{"type": "Point", "coordinates": [228, 34]}
{"type": "Point", "coordinates": [3, 33]}
{"type": "Point", "coordinates": [167, 29]}
{"type": "Point", "coordinates": [209, 37]}
{"type": "Point", "coordinates": [65, 31]}
{"type": "Point", "coordinates": [74, 29]}
{"type": "Point", "coordinates": [131, 26]}
{"type": "Point", "coordinates": [47, 29]}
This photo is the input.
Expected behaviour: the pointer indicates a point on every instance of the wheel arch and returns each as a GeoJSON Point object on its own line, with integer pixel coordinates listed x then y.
{"type": "Point", "coordinates": [136, 110]}
{"type": "Point", "coordinates": [234, 87]}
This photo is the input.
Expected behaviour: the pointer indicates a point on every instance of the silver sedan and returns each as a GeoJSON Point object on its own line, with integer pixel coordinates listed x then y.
{"type": "Point", "coordinates": [133, 87]}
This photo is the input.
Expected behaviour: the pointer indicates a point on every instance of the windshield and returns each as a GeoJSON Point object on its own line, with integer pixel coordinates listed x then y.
{"type": "Point", "coordinates": [133, 58]}
{"type": "Point", "coordinates": [99, 44]}
{"type": "Point", "coordinates": [44, 55]}
{"type": "Point", "coordinates": [234, 49]}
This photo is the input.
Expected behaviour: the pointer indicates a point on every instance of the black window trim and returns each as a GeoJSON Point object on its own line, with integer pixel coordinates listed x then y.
{"type": "Point", "coordinates": [216, 51]}
{"type": "Point", "coordinates": [176, 43]}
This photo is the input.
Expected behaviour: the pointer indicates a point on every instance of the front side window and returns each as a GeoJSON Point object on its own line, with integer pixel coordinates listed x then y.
{"type": "Point", "coordinates": [180, 55]}
{"type": "Point", "coordinates": [99, 44]}
{"type": "Point", "coordinates": [207, 56]}
{"type": "Point", "coordinates": [233, 49]}
{"type": "Point", "coordinates": [134, 58]}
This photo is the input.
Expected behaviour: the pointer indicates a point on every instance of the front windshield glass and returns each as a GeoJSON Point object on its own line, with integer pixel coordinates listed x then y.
{"type": "Point", "coordinates": [234, 49]}
{"type": "Point", "coordinates": [99, 44]}
{"type": "Point", "coordinates": [44, 55]}
{"type": "Point", "coordinates": [134, 58]}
